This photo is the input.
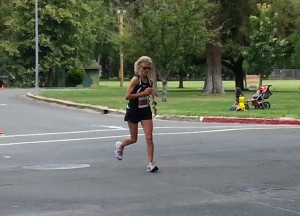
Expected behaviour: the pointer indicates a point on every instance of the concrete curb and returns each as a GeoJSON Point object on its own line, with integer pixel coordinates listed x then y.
{"type": "Point", "coordinates": [106, 110]}
{"type": "Point", "coordinates": [101, 109]}
{"type": "Point", "coordinates": [283, 121]}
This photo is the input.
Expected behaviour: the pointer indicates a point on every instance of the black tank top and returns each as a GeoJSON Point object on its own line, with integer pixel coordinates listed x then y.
{"type": "Point", "coordinates": [141, 102]}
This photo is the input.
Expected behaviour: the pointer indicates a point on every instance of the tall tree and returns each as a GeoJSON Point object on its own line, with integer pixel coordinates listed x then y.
{"type": "Point", "coordinates": [105, 53]}
{"type": "Point", "coordinates": [265, 47]}
{"type": "Point", "coordinates": [235, 31]}
{"type": "Point", "coordinates": [67, 35]}
{"type": "Point", "coordinates": [235, 35]}
{"type": "Point", "coordinates": [6, 10]}
{"type": "Point", "coordinates": [296, 40]}
{"type": "Point", "coordinates": [168, 31]}
{"type": "Point", "coordinates": [213, 78]}
{"type": "Point", "coordinates": [287, 27]}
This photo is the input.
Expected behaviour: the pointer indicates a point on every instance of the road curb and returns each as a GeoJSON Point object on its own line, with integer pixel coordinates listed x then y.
{"type": "Point", "coordinates": [106, 110]}
{"type": "Point", "coordinates": [101, 109]}
{"type": "Point", "coordinates": [252, 120]}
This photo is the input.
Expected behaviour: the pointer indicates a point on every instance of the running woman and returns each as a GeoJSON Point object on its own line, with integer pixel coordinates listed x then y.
{"type": "Point", "coordinates": [139, 93]}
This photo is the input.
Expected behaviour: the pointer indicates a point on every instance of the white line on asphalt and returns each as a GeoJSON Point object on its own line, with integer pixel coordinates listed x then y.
{"type": "Point", "coordinates": [59, 133]}
{"type": "Point", "coordinates": [112, 128]}
{"type": "Point", "coordinates": [218, 126]}
{"type": "Point", "coordinates": [120, 136]}
{"type": "Point", "coordinates": [3, 104]}
{"type": "Point", "coordinates": [220, 130]}
{"type": "Point", "coordinates": [275, 207]}
{"type": "Point", "coordinates": [61, 140]}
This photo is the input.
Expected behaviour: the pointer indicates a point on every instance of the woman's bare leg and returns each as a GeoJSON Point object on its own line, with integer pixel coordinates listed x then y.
{"type": "Point", "coordinates": [133, 128]}
{"type": "Point", "coordinates": [148, 131]}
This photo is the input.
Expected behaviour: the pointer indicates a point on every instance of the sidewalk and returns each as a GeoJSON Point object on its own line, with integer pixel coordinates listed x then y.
{"type": "Point", "coordinates": [105, 110]}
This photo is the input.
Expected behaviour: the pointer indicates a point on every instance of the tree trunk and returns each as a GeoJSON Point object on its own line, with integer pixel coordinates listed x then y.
{"type": "Point", "coordinates": [213, 79]}
{"type": "Point", "coordinates": [164, 76]}
{"type": "Point", "coordinates": [239, 75]}
{"type": "Point", "coordinates": [236, 66]}
{"type": "Point", "coordinates": [208, 83]}
{"type": "Point", "coordinates": [239, 80]}
{"type": "Point", "coordinates": [164, 90]}
{"type": "Point", "coordinates": [49, 80]}
{"type": "Point", "coordinates": [180, 81]}
{"type": "Point", "coordinates": [261, 79]}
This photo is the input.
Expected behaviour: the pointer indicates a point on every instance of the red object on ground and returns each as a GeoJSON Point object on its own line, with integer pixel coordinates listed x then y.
{"type": "Point", "coordinates": [252, 121]}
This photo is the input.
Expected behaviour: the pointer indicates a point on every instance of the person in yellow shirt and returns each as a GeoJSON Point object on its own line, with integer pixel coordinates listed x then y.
{"type": "Point", "coordinates": [239, 103]}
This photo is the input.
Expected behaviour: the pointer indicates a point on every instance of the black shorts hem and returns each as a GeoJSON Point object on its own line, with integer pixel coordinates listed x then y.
{"type": "Point", "coordinates": [135, 116]}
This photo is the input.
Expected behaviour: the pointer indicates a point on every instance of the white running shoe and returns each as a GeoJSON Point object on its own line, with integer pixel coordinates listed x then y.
{"type": "Point", "coordinates": [152, 168]}
{"type": "Point", "coordinates": [119, 150]}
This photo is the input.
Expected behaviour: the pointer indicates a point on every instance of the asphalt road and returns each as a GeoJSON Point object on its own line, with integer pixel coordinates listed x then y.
{"type": "Point", "coordinates": [59, 161]}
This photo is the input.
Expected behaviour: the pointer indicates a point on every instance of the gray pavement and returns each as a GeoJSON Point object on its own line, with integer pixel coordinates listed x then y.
{"type": "Point", "coordinates": [58, 161]}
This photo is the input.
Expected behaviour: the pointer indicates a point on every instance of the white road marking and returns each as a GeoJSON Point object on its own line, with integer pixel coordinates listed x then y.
{"type": "Point", "coordinates": [59, 133]}
{"type": "Point", "coordinates": [3, 104]}
{"type": "Point", "coordinates": [121, 136]}
{"type": "Point", "coordinates": [220, 126]}
{"type": "Point", "coordinates": [56, 166]}
{"type": "Point", "coordinates": [112, 127]}
{"type": "Point", "coordinates": [61, 140]}
{"type": "Point", "coordinates": [275, 207]}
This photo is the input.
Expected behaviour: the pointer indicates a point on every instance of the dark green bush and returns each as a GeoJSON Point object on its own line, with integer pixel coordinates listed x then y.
{"type": "Point", "coordinates": [74, 77]}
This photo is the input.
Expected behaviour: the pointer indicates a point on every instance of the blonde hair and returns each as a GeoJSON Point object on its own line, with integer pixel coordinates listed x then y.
{"type": "Point", "coordinates": [142, 59]}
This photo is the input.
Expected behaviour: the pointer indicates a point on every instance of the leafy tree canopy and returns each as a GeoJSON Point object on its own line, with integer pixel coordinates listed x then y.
{"type": "Point", "coordinates": [68, 32]}
{"type": "Point", "coordinates": [168, 31]}
{"type": "Point", "coordinates": [264, 46]}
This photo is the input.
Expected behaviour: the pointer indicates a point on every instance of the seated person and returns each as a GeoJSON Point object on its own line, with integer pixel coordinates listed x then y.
{"type": "Point", "coordinates": [238, 94]}
{"type": "Point", "coordinates": [241, 105]}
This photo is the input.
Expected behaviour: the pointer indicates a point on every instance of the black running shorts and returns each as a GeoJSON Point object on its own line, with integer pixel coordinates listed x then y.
{"type": "Point", "coordinates": [136, 115]}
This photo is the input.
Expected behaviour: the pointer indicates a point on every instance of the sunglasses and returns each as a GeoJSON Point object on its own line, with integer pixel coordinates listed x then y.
{"type": "Point", "coordinates": [147, 68]}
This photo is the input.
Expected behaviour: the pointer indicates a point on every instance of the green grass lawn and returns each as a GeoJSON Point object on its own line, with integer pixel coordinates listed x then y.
{"type": "Point", "coordinates": [189, 101]}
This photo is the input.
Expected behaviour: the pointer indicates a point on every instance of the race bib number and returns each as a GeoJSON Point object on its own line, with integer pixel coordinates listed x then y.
{"type": "Point", "coordinates": [143, 102]}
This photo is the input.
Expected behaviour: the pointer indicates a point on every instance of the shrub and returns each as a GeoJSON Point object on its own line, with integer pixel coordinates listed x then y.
{"type": "Point", "coordinates": [74, 77]}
